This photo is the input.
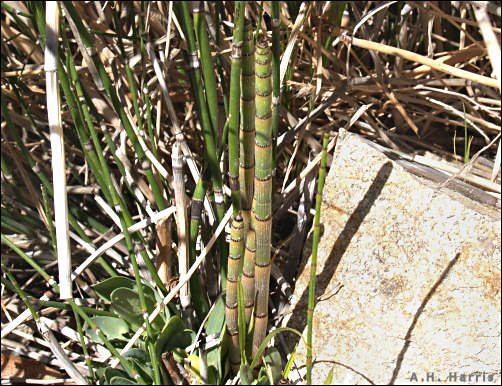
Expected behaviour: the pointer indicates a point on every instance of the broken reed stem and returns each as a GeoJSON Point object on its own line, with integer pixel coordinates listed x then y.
{"type": "Point", "coordinates": [313, 264]}
{"type": "Point", "coordinates": [434, 64]}
{"type": "Point", "coordinates": [181, 221]}
{"type": "Point", "coordinates": [263, 188]}
{"type": "Point", "coordinates": [246, 164]}
{"type": "Point", "coordinates": [57, 147]}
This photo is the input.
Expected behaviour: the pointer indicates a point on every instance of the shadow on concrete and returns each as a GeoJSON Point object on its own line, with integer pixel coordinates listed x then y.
{"type": "Point", "coordinates": [298, 318]}
{"type": "Point", "coordinates": [400, 356]}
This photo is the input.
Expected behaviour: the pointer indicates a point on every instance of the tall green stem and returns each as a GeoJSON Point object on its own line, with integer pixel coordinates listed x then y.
{"type": "Point", "coordinates": [276, 82]}
{"type": "Point", "coordinates": [247, 163]}
{"type": "Point", "coordinates": [233, 118]}
{"type": "Point", "coordinates": [231, 305]}
{"type": "Point", "coordinates": [263, 188]}
{"type": "Point", "coordinates": [313, 266]}
{"type": "Point", "coordinates": [207, 132]}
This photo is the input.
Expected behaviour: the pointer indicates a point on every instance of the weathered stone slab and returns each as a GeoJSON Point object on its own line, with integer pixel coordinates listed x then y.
{"type": "Point", "coordinates": [408, 279]}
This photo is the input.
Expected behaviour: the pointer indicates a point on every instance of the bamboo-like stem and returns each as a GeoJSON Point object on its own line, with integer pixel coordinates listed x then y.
{"type": "Point", "coordinates": [276, 83]}
{"type": "Point", "coordinates": [231, 312]}
{"type": "Point", "coordinates": [263, 188]}
{"type": "Point", "coordinates": [247, 163]}
{"type": "Point", "coordinates": [313, 264]}
{"type": "Point", "coordinates": [57, 146]}
{"type": "Point", "coordinates": [247, 132]}
{"type": "Point", "coordinates": [233, 117]}
{"type": "Point", "coordinates": [248, 273]}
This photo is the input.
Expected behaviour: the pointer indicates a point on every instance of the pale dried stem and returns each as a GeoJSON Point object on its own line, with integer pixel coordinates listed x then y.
{"type": "Point", "coordinates": [57, 147]}
{"type": "Point", "coordinates": [434, 64]}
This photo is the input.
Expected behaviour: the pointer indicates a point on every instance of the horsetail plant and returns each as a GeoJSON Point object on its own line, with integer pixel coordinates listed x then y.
{"type": "Point", "coordinates": [313, 266]}
{"type": "Point", "coordinates": [246, 164]}
{"type": "Point", "coordinates": [263, 188]}
{"type": "Point", "coordinates": [233, 116]}
{"type": "Point", "coordinates": [231, 304]}
{"type": "Point", "coordinates": [237, 227]}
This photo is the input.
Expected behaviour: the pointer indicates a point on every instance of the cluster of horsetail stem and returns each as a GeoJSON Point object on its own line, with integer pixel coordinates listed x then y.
{"type": "Point", "coordinates": [237, 228]}
{"type": "Point", "coordinates": [247, 132]}
{"type": "Point", "coordinates": [246, 164]}
{"type": "Point", "coordinates": [263, 188]}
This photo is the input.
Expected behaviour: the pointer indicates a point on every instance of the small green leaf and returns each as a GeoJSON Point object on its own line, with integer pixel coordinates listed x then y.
{"type": "Point", "coordinates": [289, 365]}
{"type": "Point", "coordinates": [273, 364]}
{"type": "Point", "coordinates": [122, 381]}
{"type": "Point", "coordinates": [246, 374]}
{"type": "Point", "coordinates": [105, 288]}
{"type": "Point", "coordinates": [223, 365]}
{"type": "Point", "coordinates": [126, 304]}
{"type": "Point", "coordinates": [110, 372]}
{"type": "Point", "coordinates": [173, 336]}
{"type": "Point", "coordinates": [113, 328]}
{"type": "Point", "coordinates": [215, 321]}
{"type": "Point", "coordinates": [329, 378]}
{"type": "Point", "coordinates": [140, 360]}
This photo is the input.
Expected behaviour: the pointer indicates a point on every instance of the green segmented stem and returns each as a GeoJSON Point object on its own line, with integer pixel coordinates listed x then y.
{"type": "Point", "coordinates": [207, 63]}
{"type": "Point", "coordinates": [276, 82]}
{"type": "Point", "coordinates": [313, 266]}
{"type": "Point", "coordinates": [231, 312]}
{"type": "Point", "coordinates": [233, 118]}
{"type": "Point", "coordinates": [248, 273]}
{"type": "Point", "coordinates": [246, 164]}
{"type": "Point", "coordinates": [200, 302]}
{"type": "Point", "coordinates": [247, 132]}
{"type": "Point", "coordinates": [119, 109]}
{"type": "Point", "coordinates": [84, 109]}
{"type": "Point", "coordinates": [263, 188]}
